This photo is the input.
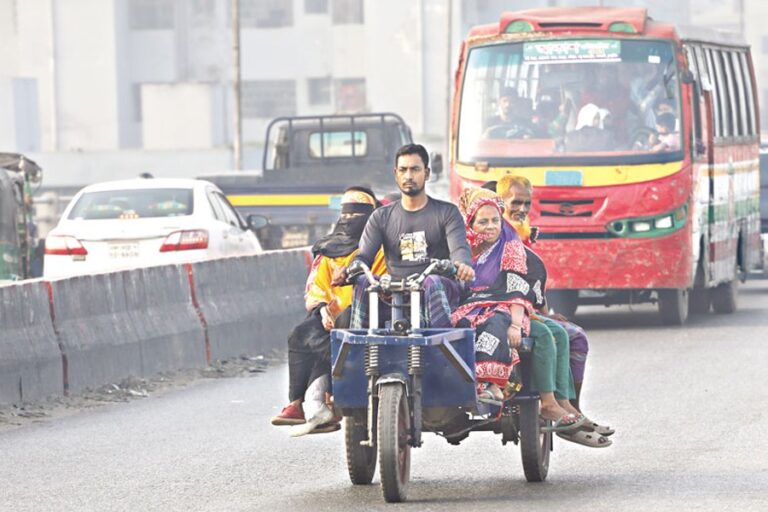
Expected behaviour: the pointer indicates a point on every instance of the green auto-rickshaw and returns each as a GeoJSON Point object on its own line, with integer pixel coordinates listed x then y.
{"type": "Point", "coordinates": [18, 234]}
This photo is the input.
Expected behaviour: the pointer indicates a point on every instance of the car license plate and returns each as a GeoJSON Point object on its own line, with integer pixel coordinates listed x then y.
{"type": "Point", "coordinates": [124, 250]}
{"type": "Point", "coordinates": [563, 178]}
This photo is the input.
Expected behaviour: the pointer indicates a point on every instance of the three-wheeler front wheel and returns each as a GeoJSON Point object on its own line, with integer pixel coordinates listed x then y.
{"type": "Point", "coordinates": [361, 460]}
{"type": "Point", "coordinates": [535, 445]}
{"type": "Point", "coordinates": [393, 436]}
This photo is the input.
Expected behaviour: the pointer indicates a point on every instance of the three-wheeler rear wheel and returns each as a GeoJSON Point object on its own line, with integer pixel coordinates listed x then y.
{"type": "Point", "coordinates": [535, 445]}
{"type": "Point", "coordinates": [394, 428]}
{"type": "Point", "coordinates": [361, 460]}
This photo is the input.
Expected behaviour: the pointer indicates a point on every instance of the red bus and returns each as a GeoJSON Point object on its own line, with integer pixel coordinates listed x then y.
{"type": "Point", "coordinates": [641, 140]}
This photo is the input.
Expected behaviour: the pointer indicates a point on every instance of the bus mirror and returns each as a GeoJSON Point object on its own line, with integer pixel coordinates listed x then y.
{"type": "Point", "coordinates": [700, 147]}
{"type": "Point", "coordinates": [437, 165]}
{"type": "Point", "coordinates": [687, 76]}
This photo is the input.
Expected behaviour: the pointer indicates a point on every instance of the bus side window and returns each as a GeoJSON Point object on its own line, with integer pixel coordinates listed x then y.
{"type": "Point", "coordinates": [693, 66]}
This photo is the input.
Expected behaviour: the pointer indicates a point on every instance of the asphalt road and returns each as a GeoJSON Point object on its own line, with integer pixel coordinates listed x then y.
{"type": "Point", "coordinates": [689, 405]}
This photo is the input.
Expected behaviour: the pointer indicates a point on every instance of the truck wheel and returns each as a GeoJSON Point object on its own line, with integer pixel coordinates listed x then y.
{"type": "Point", "coordinates": [673, 306]}
{"type": "Point", "coordinates": [393, 437]}
{"type": "Point", "coordinates": [535, 445]}
{"type": "Point", "coordinates": [564, 302]}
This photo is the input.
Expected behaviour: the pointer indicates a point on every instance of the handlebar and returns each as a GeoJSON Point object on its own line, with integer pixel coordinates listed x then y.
{"type": "Point", "coordinates": [410, 283]}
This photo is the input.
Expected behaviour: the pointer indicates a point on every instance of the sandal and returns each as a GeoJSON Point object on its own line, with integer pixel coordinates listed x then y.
{"type": "Point", "coordinates": [591, 439]}
{"type": "Point", "coordinates": [566, 423]}
{"type": "Point", "coordinates": [603, 430]}
{"type": "Point", "coordinates": [490, 393]}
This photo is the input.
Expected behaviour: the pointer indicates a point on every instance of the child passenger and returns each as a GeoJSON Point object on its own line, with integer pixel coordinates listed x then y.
{"type": "Point", "coordinates": [667, 138]}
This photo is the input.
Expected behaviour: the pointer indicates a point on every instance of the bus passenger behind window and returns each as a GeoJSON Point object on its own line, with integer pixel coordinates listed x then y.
{"type": "Point", "coordinates": [512, 119]}
{"type": "Point", "coordinates": [666, 138]}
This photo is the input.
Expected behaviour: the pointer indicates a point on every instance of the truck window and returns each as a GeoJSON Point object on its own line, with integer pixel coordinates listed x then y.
{"type": "Point", "coordinates": [337, 144]}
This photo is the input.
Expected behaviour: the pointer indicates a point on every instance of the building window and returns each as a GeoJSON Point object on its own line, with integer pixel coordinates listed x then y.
{"type": "Point", "coordinates": [268, 98]}
{"type": "Point", "coordinates": [136, 93]}
{"type": "Point", "coordinates": [319, 91]}
{"type": "Point", "coordinates": [350, 95]}
{"type": "Point", "coordinates": [316, 6]}
{"type": "Point", "coordinates": [347, 12]}
{"type": "Point", "coordinates": [151, 14]}
{"type": "Point", "coordinates": [266, 13]}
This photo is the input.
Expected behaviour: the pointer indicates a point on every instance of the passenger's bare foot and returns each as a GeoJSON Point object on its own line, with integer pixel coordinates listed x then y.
{"type": "Point", "coordinates": [552, 411]}
{"type": "Point", "coordinates": [568, 407]}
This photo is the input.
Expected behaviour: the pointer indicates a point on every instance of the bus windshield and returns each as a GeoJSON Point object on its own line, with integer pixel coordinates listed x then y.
{"type": "Point", "coordinates": [607, 100]}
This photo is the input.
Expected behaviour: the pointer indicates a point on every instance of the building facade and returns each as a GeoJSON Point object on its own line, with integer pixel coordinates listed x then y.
{"type": "Point", "coordinates": [147, 84]}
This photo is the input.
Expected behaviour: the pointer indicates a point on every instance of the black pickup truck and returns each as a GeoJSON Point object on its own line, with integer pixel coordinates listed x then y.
{"type": "Point", "coordinates": [308, 162]}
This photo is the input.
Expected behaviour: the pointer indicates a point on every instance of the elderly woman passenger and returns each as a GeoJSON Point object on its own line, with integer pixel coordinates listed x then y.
{"type": "Point", "coordinates": [508, 287]}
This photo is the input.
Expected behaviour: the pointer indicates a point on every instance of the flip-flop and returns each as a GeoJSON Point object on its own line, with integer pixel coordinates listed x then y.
{"type": "Point", "coordinates": [566, 423]}
{"type": "Point", "coordinates": [591, 439]}
{"type": "Point", "coordinates": [603, 430]}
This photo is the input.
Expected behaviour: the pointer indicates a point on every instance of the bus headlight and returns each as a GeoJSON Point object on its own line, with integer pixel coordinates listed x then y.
{"type": "Point", "coordinates": [641, 226]}
{"type": "Point", "coordinates": [646, 227]}
{"type": "Point", "coordinates": [664, 222]}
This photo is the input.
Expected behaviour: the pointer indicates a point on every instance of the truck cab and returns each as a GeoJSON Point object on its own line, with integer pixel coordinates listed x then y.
{"type": "Point", "coordinates": [307, 162]}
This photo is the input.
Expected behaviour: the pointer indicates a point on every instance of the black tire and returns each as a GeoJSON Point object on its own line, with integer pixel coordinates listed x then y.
{"type": "Point", "coordinates": [699, 301]}
{"type": "Point", "coordinates": [564, 302]}
{"type": "Point", "coordinates": [673, 306]}
{"type": "Point", "coordinates": [361, 460]}
{"type": "Point", "coordinates": [393, 437]}
{"type": "Point", "coordinates": [724, 297]}
{"type": "Point", "coordinates": [535, 445]}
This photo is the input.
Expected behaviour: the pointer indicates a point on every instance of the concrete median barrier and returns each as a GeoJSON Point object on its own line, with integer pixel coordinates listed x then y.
{"type": "Point", "coordinates": [126, 324]}
{"type": "Point", "coordinates": [30, 359]}
{"type": "Point", "coordinates": [250, 304]}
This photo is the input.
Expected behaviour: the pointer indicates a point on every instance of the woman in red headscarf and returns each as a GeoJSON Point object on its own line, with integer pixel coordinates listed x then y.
{"type": "Point", "coordinates": [509, 284]}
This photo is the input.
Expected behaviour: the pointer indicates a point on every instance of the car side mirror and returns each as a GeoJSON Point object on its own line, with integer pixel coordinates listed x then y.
{"type": "Point", "coordinates": [255, 222]}
{"type": "Point", "coordinates": [437, 165]}
{"type": "Point", "coordinates": [686, 76]}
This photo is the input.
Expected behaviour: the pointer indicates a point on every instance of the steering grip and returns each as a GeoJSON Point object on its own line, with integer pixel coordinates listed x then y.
{"type": "Point", "coordinates": [354, 269]}
{"type": "Point", "coordinates": [446, 268]}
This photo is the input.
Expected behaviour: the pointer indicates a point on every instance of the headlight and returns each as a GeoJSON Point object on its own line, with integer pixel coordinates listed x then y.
{"type": "Point", "coordinates": [640, 226]}
{"type": "Point", "coordinates": [646, 227]}
{"type": "Point", "coordinates": [664, 222]}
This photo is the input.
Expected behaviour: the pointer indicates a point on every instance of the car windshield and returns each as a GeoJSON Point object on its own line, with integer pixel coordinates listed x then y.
{"type": "Point", "coordinates": [555, 99]}
{"type": "Point", "coordinates": [133, 204]}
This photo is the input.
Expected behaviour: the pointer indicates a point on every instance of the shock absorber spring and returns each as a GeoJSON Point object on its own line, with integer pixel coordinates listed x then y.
{"type": "Point", "coordinates": [372, 360]}
{"type": "Point", "coordinates": [414, 360]}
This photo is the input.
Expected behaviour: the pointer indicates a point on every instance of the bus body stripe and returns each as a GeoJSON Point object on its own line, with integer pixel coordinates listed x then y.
{"type": "Point", "coordinates": [601, 176]}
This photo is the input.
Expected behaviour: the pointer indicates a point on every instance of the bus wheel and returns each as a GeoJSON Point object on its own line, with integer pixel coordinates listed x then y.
{"type": "Point", "coordinates": [564, 302]}
{"type": "Point", "coordinates": [699, 301]}
{"type": "Point", "coordinates": [724, 296]}
{"type": "Point", "coordinates": [673, 306]}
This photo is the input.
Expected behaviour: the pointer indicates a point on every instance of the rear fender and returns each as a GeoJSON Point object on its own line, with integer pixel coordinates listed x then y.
{"type": "Point", "coordinates": [393, 378]}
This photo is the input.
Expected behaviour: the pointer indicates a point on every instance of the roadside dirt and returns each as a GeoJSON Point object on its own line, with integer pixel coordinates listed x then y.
{"type": "Point", "coordinates": [14, 416]}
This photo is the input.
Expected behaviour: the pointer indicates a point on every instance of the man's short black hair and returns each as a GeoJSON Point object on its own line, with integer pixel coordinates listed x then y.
{"type": "Point", "coordinates": [413, 149]}
{"type": "Point", "coordinates": [667, 120]}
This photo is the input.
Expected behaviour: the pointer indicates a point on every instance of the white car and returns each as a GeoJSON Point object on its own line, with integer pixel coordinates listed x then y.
{"type": "Point", "coordinates": [142, 222]}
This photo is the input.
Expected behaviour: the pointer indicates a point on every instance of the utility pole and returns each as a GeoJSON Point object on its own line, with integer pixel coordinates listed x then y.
{"type": "Point", "coordinates": [238, 135]}
{"type": "Point", "coordinates": [448, 62]}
